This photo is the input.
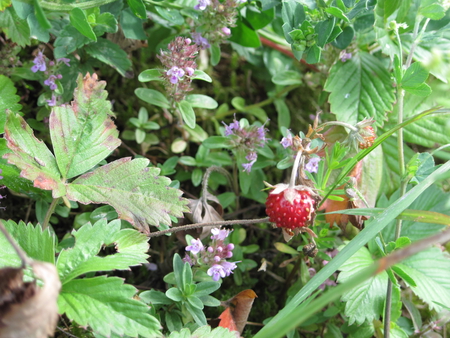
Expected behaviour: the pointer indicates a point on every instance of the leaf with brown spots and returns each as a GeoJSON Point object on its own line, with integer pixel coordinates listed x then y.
{"type": "Point", "coordinates": [83, 133]}
{"type": "Point", "coordinates": [238, 309]}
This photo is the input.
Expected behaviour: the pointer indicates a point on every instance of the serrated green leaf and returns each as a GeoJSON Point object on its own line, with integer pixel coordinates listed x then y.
{"type": "Point", "coordinates": [201, 101]}
{"type": "Point", "coordinates": [37, 244]}
{"type": "Point", "coordinates": [78, 19]}
{"type": "Point", "coordinates": [150, 75]}
{"type": "Point", "coordinates": [201, 75]}
{"type": "Point", "coordinates": [187, 113]}
{"type": "Point", "coordinates": [287, 77]}
{"type": "Point", "coordinates": [135, 190]}
{"type": "Point", "coordinates": [430, 269]}
{"type": "Point", "coordinates": [366, 301]}
{"type": "Point", "coordinates": [109, 53]}
{"type": "Point", "coordinates": [83, 134]}
{"type": "Point", "coordinates": [131, 247]}
{"type": "Point", "coordinates": [360, 87]}
{"type": "Point", "coordinates": [101, 301]}
{"type": "Point", "coordinates": [14, 27]}
{"type": "Point", "coordinates": [8, 100]}
{"type": "Point", "coordinates": [31, 156]}
{"type": "Point", "coordinates": [152, 96]}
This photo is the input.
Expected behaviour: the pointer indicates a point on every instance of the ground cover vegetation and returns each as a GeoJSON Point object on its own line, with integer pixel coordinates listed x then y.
{"type": "Point", "coordinates": [224, 168]}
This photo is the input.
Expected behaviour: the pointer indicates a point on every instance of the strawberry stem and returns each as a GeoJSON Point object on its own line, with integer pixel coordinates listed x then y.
{"type": "Point", "coordinates": [339, 123]}
{"type": "Point", "coordinates": [297, 162]}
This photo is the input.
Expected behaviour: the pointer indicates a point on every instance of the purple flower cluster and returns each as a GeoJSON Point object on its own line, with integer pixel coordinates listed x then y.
{"type": "Point", "coordinates": [344, 56]}
{"type": "Point", "coordinates": [213, 25]}
{"type": "Point", "coordinates": [179, 62]}
{"type": "Point", "coordinates": [49, 68]}
{"type": "Point", "coordinates": [246, 140]}
{"type": "Point", "coordinates": [215, 256]}
{"type": "Point", "coordinates": [292, 142]}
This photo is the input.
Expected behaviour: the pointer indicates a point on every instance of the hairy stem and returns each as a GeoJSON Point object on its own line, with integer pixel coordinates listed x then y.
{"type": "Point", "coordinates": [49, 213]}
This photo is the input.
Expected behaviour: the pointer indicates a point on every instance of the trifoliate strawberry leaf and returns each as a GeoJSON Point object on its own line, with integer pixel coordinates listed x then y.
{"type": "Point", "coordinates": [107, 305]}
{"type": "Point", "coordinates": [130, 245]}
{"type": "Point", "coordinates": [205, 332]}
{"type": "Point", "coordinates": [14, 27]}
{"type": "Point", "coordinates": [430, 269]}
{"type": "Point", "coordinates": [366, 301]}
{"type": "Point", "coordinates": [37, 244]}
{"type": "Point", "coordinates": [135, 190]}
{"type": "Point", "coordinates": [83, 133]}
{"type": "Point", "coordinates": [32, 156]}
{"type": "Point", "coordinates": [8, 99]}
{"type": "Point", "coordinates": [432, 199]}
{"type": "Point", "coordinates": [361, 87]}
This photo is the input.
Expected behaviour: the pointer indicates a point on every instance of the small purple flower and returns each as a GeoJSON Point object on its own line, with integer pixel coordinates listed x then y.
{"type": "Point", "coordinates": [39, 63]}
{"type": "Point", "coordinates": [195, 247]}
{"type": "Point", "coordinates": [344, 56]}
{"type": "Point", "coordinates": [229, 267]}
{"type": "Point", "coordinates": [313, 165]}
{"type": "Point", "coordinates": [233, 126]}
{"type": "Point", "coordinates": [175, 74]}
{"type": "Point", "coordinates": [200, 40]}
{"type": "Point", "coordinates": [189, 71]}
{"type": "Point", "coordinates": [51, 82]}
{"type": "Point", "coordinates": [202, 4]}
{"type": "Point", "coordinates": [286, 141]}
{"type": "Point", "coordinates": [216, 271]}
{"type": "Point", "coordinates": [64, 60]}
{"type": "Point", "coordinates": [52, 101]}
{"type": "Point", "coordinates": [219, 234]}
{"type": "Point", "coordinates": [252, 156]}
{"type": "Point", "coordinates": [226, 31]}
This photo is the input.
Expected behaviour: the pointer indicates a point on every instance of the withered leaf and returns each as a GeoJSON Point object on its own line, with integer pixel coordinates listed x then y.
{"type": "Point", "coordinates": [240, 307]}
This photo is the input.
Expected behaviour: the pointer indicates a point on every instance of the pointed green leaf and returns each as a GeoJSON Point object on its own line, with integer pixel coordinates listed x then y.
{"type": "Point", "coordinates": [337, 12]}
{"type": "Point", "coordinates": [107, 305]}
{"type": "Point", "coordinates": [357, 306]}
{"type": "Point", "coordinates": [135, 190]}
{"type": "Point", "coordinates": [8, 100]}
{"type": "Point", "coordinates": [37, 244]}
{"type": "Point", "coordinates": [187, 112]}
{"type": "Point", "coordinates": [155, 297]}
{"type": "Point", "coordinates": [78, 19]}
{"type": "Point", "coordinates": [150, 75]}
{"type": "Point", "coordinates": [109, 53]}
{"type": "Point", "coordinates": [201, 101]}
{"type": "Point", "coordinates": [152, 96]}
{"type": "Point", "coordinates": [360, 87]}
{"type": "Point", "coordinates": [430, 269]}
{"type": "Point", "coordinates": [31, 156]}
{"type": "Point", "coordinates": [138, 8]}
{"type": "Point", "coordinates": [83, 133]}
{"type": "Point", "coordinates": [201, 75]}
{"type": "Point", "coordinates": [131, 247]}
{"type": "Point", "coordinates": [404, 275]}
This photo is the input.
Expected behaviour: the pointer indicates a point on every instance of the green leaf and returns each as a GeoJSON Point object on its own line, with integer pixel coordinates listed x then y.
{"type": "Point", "coordinates": [398, 72]}
{"type": "Point", "coordinates": [244, 35]}
{"type": "Point", "coordinates": [172, 15]}
{"type": "Point", "coordinates": [357, 308]}
{"type": "Point", "coordinates": [79, 20]}
{"type": "Point", "coordinates": [8, 100]}
{"type": "Point", "coordinates": [404, 275]}
{"type": "Point", "coordinates": [259, 19]}
{"type": "Point", "coordinates": [206, 288]}
{"type": "Point", "coordinates": [313, 54]}
{"type": "Point", "coordinates": [37, 244]}
{"type": "Point", "coordinates": [201, 75]}
{"type": "Point", "coordinates": [4, 4]}
{"type": "Point", "coordinates": [324, 30]}
{"type": "Point", "coordinates": [292, 13]}
{"type": "Point", "coordinates": [283, 113]}
{"type": "Point", "coordinates": [150, 75]}
{"type": "Point", "coordinates": [396, 303]}
{"type": "Point", "coordinates": [360, 87]}
{"type": "Point", "coordinates": [215, 56]}
{"type": "Point", "coordinates": [204, 332]}
{"type": "Point", "coordinates": [101, 301]}
{"type": "Point", "coordinates": [83, 133]}
{"type": "Point", "coordinates": [195, 302]}
{"type": "Point", "coordinates": [420, 90]}
{"type": "Point", "coordinates": [430, 269]}
{"type": "Point", "coordinates": [132, 26]}
{"type": "Point", "coordinates": [105, 22]}
{"type": "Point", "coordinates": [135, 190]}
{"type": "Point", "coordinates": [130, 246]}
{"type": "Point", "coordinates": [40, 15]}
{"type": "Point", "coordinates": [138, 8]}
{"type": "Point", "coordinates": [187, 113]}
{"type": "Point", "coordinates": [69, 40]}
{"type": "Point", "coordinates": [14, 27]}
{"type": "Point", "coordinates": [109, 53]}
{"type": "Point", "coordinates": [174, 294]}
{"type": "Point", "coordinates": [201, 101]}
{"type": "Point", "coordinates": [32, 156]}
{"type": "Point", "coordinates": [152, 96]}
{"type": "Point", "coordinates": [433, 11]}
{"type": "Point", "coordinates": [217, 142]}
{"type": "Point", "coordinates": [344, 39]}
{"type": "Point", "coordinates": [155, 297]}
{"type": "Point", "coordinates": [197, 314]}
{"type": "Point", "coordinates": [287, 77]}
{"type": "Point", "coordinates": [414, 76]}
{"type": "Point", "coordinates": [36, 29]}
{"type": "Point", "coordinates": [338, 13]}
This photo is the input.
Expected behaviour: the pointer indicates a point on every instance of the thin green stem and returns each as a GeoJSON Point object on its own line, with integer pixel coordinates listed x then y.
{"type": "Point", "coordinates": [259, 104]}
{"type": "Point", "coordinates": [339, 123]}
{"type": "Point", "coordinates": [49, 213]}
{"type": "Point", "coordinates": [297, 163]}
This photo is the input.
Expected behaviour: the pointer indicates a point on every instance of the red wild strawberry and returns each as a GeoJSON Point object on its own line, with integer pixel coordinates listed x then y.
{"type": "Point", "coordinates": [290, 207]}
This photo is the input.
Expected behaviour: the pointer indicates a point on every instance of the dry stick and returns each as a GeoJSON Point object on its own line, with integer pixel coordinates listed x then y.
{"type": "Point", "coordinates": [210, 224]}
